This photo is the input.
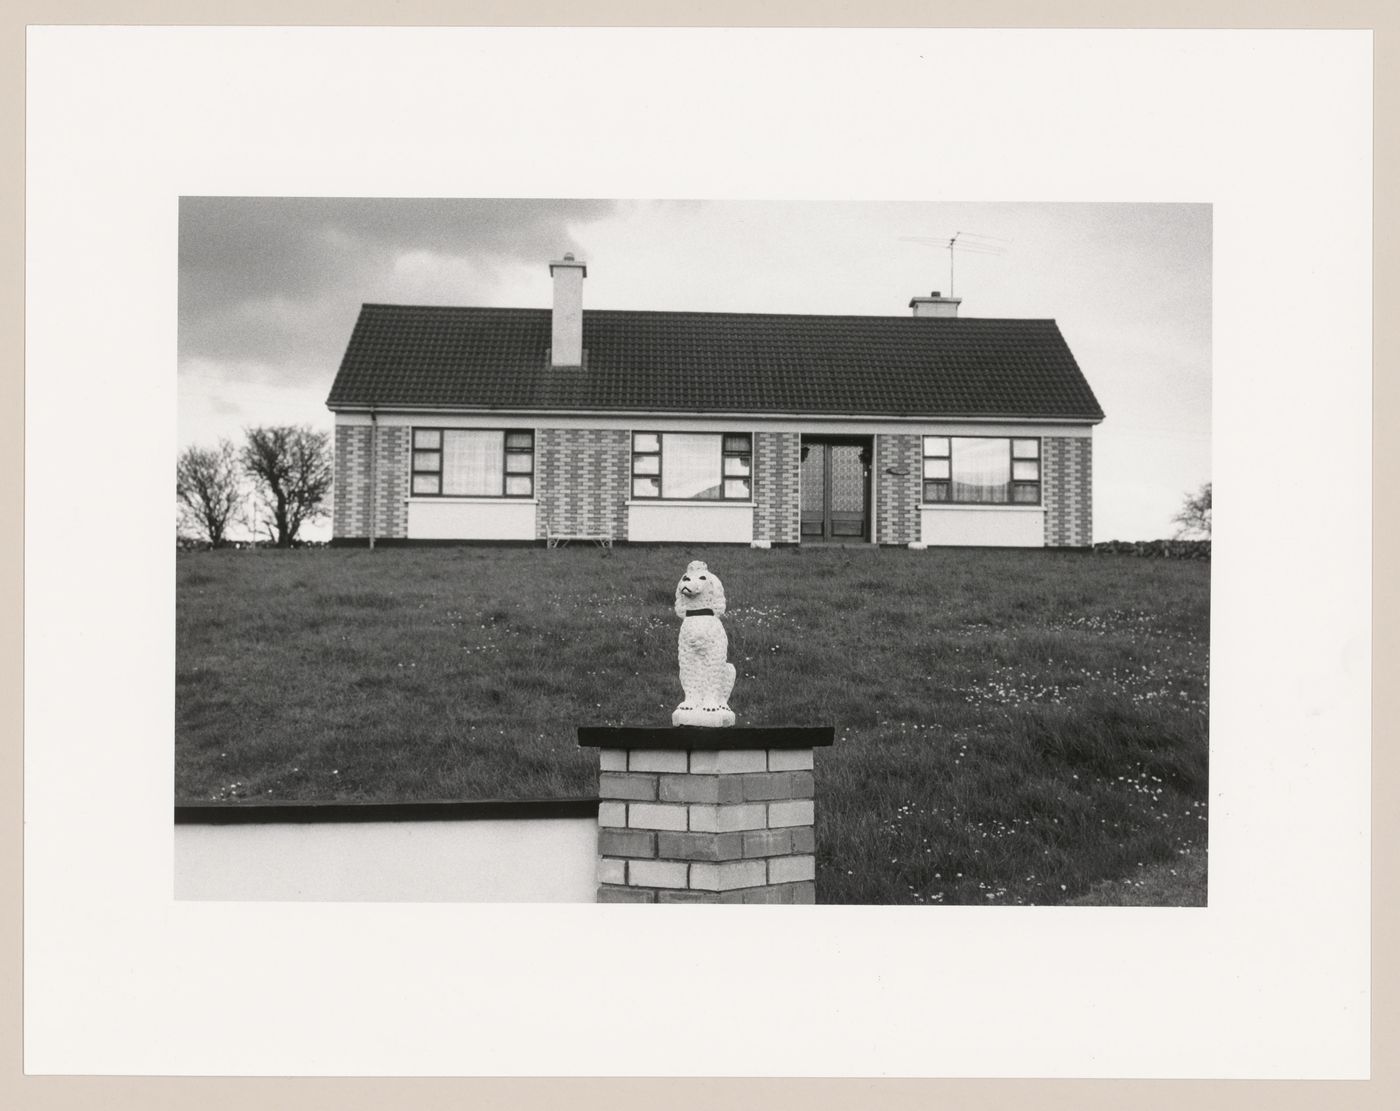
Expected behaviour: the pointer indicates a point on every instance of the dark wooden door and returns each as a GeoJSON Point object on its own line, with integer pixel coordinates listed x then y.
{"type": "Point", "coordinates": [835, 491]}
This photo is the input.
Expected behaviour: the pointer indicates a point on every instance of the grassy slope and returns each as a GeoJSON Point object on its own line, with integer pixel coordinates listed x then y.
{"type": "Point", "coordinates": [1013, 727]}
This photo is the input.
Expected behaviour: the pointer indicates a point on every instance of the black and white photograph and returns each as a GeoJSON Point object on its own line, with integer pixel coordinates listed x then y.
{"type": "Point", "coordinates": [693, 551]}
{"type": "Point", "coordinates": [765, 467]}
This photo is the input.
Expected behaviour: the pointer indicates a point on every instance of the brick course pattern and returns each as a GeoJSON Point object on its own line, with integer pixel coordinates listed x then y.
{"type": "Point", "coordinates": [350, 502]}
{"type": "Point", "coordinates": [730, 827]}
{"type": "Point", "coordinates": [1066, 488]}
{"type": "Point", "coordinates": [583, 478]}
{"type": "Point", "coordinates": [897, 497]}
{"type": "Point", "coordinates": [777, 465]}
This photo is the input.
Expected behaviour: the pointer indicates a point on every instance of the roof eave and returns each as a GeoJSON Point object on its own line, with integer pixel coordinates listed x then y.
{"type": "Point", "coordinates": [707, 414]}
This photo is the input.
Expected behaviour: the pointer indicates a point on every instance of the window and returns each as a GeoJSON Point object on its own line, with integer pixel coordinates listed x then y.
{"type": "Point", "coordinates": [473, 462]}
{"type": "Point", "coordinates": [696, 466]}
{"type": "Point", "coordinates": [981, 470]}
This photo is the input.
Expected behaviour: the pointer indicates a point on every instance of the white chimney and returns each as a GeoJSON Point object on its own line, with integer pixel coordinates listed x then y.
{"type": "Point", "coordinates": [935, 305]}
{"type": "Point", "coordinates": [566, 334]}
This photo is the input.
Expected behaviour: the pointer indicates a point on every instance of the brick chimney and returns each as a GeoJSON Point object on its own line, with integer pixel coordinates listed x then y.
{"type": "Point", "coordinates": [566, 332]}
{"type": "Point", "coordinates": [935, 304]}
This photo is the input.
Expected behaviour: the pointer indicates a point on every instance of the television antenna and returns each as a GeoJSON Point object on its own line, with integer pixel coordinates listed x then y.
{"type": "Point", "coordinates": [970, 242]}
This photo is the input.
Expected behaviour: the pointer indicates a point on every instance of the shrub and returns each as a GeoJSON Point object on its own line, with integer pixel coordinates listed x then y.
{"type": "Point", "coordinates": [1156, 549]}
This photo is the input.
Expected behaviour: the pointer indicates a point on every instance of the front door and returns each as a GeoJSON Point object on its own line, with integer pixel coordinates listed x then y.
{"type": "Point", "coordinates": [835, 490]}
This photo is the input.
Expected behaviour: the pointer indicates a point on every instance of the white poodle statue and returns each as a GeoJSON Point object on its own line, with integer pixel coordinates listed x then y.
{"type": "Point", "coordinates": [706, 676]}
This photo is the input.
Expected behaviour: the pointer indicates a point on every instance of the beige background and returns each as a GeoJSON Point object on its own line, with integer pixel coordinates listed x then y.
{"type": "Point", "coordinates": [52, 1092]}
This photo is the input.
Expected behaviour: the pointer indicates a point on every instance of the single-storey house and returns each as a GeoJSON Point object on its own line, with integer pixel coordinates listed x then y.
{"type": "Point", "coordinates": [489, 424]}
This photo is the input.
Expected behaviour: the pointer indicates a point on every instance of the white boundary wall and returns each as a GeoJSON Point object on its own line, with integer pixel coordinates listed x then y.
{"type": "Point", "coordinates": [535, 860]}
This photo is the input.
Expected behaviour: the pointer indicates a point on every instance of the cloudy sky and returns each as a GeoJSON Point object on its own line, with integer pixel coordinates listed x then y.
{"type": "Point", "coordinates": [270, 288]}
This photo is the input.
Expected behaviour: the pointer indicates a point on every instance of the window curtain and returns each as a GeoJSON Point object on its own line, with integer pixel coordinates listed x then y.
{"type": "Point", "coordinates": [472, 462]}
{"type": "Point", "coordinates": [690, 465]}
{"type": "Point", "coordinates": [981, 470]}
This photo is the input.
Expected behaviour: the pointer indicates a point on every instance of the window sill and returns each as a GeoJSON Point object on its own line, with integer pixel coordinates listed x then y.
{"type": "Point", "coordinates": [670, 503]}
{"type": "Point", "coordinates": [466, 499]}
{"type": "Point", "coordinates": [983, 507]}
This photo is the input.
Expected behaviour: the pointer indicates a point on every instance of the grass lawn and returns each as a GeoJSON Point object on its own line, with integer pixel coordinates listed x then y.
{"type": "Point", "coordinates": [1013, 727]}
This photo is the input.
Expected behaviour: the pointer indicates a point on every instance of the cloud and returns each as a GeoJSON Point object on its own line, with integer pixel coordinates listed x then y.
{"type": "Point", "coordinates": [222, 400]}
{"type": "Point", "coordinates": [278, 281]}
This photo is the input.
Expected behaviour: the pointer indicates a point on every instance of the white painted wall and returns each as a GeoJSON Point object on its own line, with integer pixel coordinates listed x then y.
{"type": "Point", "coordinates": [470, 519]}
{"type": "Point", "coordinates": [712, 522]}
{"type": "Point", "coordinates": [544, 860]}
{"type": "Point", "coordinates": [1019, 526]}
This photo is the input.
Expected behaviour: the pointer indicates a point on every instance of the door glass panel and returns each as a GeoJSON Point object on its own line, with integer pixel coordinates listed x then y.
{"type": "Point", "coordinates": [847, 480]}
{"type": "Point", "coordinates": [814, 480]}
{"type": "Point", "coordinates": [834, 492]}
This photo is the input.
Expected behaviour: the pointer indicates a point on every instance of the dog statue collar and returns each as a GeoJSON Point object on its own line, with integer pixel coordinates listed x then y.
{"type": "Point", "coordinates": [699, 613]}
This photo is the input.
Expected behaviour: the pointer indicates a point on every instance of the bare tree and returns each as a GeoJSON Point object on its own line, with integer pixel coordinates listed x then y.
{"type": "Point", "coordinates": [208, 489]}
{"type": "Point", "coordinates": [290, 466]}
{"type": "Point", "coordinates": [1193, 521]}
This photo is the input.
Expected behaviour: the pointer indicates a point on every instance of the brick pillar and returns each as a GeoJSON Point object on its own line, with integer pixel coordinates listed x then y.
{"type": "Point", "coordinates": [695, 815]}
{"type": "Point", "coordinates": [898, 496]}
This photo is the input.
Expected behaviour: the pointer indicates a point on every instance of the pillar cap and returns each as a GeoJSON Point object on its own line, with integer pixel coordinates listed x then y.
{"type": "Point", "coordinates": [699, 738]}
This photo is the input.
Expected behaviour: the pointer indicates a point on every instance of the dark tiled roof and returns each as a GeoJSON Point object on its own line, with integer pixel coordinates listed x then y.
{"type": "Point", "coordinates": [411, 356]}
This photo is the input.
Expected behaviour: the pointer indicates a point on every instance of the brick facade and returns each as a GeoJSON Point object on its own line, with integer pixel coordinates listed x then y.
{"type": "Point", "coordinates": [1066, 488]}
{"type": "Point", "coordinates": [897, 496]}
{"type": "Point", "coordinates": [583, 483]}
{"type": "Point", "coordinates": [583, 479]}
{"type": "Point", "coordinates": [777, 465]}
{"type": "Point", "coordinates": [351, 500]}
{"type": "Point", "coordinates": [678, 826]}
